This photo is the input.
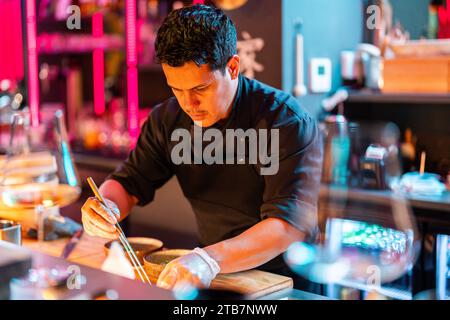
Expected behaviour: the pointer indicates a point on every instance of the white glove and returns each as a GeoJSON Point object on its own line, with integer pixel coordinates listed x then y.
{"type": "Point", "coordinates": [98, 220]}
{"type": "Point", "coordinates": [196, 268]}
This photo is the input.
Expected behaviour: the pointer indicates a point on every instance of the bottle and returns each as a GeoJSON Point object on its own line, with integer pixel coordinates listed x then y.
{"type": "Point", "coordinates": [408, 151]}
{"type": "Point", "coordinates": [336, 150]}
{"type": "Point", "coordinates": [433, 20]}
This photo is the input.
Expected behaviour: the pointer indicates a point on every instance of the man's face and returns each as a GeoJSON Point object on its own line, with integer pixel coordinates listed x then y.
{"type": "Point", "coordinates": [204, 95]}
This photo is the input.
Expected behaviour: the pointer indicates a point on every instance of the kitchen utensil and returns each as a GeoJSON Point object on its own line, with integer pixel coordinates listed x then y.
{"type": "Point", "coordinates": [128, 249]}
{"type": "Point", "coordinates": [71, 244]}
{"type": "Point", "coordinates": [141, 246]}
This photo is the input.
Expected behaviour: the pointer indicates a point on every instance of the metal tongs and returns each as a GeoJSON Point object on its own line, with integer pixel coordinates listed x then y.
{"type": "Point", "coordinates": [123, 239]}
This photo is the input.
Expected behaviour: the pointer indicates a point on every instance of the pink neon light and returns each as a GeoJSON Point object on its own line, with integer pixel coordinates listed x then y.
{"type": "Point", "coordinates": [198, 2]}
{"type": "Point", "coordinates": [98, 60]}
{"type": "Point", "coordinates": [132, 74]}
{"type": "Point", "coordinates": [33, 80]}
{"type": "Point", "coordinates": [11, 59]}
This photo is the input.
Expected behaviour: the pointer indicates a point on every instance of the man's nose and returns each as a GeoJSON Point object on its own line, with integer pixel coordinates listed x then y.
{"type": "Point", "coordinates": [190, 100]}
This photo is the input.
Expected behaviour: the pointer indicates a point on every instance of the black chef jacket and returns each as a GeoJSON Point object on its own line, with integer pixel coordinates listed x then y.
{"type": "Point", "coordinates": [227, 199]}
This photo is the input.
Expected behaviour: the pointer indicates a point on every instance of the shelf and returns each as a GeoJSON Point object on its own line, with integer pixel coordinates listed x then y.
{"type": "Point", "coordinates": [57, 43]}
{"type": "Point", "coordinates": [374, 96]}
{"type": "Point", "coordinates": [100, 162]}
{"type": "Point", "coordinates": [431, 202]}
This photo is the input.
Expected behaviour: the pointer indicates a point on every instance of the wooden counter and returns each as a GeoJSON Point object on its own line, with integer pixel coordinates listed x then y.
{"type": "Point", "coordinates": [90, 252]}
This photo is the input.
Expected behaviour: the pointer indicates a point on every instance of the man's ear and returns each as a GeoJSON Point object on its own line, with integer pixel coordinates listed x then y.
{"type": "Point", "coordinates": [233, 66]}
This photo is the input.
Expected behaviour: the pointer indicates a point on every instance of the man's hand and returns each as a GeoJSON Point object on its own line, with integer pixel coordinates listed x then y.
{"type": "Point", "coordinates": [195, 268]}
{"type": "Point", "coordinates": [98, 220]}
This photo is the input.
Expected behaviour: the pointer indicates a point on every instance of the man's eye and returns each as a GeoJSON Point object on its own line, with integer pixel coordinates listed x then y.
{"type": "Point", "coordinates": [200, 89]}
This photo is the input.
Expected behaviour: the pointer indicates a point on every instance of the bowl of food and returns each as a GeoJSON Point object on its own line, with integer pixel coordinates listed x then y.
{"type": "Point", "coordinates": [155, 262]}
{"type": "Point", "coordinates": [140, 245]}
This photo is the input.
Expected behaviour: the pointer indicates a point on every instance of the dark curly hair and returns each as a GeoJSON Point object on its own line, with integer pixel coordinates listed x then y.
{"type": "Point", "coordinates": [198, 33]}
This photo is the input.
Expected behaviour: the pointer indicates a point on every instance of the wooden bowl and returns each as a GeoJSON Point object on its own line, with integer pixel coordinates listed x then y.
{"type": "Point", "coordinates": [141, 246]}
{"type": "Point", "coordinates": [155, 262]}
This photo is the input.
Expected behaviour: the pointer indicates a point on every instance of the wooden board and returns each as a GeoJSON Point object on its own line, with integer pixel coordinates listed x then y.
{"type": "Point", "coordinates": [252, 283]}
{"type": "Point", "coordinates": [417, 75]}
{"type": "Point", "coordinates": [90, 252]}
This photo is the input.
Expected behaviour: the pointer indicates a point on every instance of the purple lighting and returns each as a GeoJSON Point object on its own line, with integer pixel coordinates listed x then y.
{"type": "Point", "coordinates": [11, 60]}
{"type": "Point", "coordinates": [132, 74]}
{"type": "Point", "coordinates": [98, 66]}
{"type": "Point", "coordinates": [33, 80]}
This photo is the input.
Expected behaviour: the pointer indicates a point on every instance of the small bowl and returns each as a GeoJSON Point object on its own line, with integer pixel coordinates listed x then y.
{"type": "Point", "coordinates": [155, 262]}
{"type": "Point", "coordinates": [141, 246]}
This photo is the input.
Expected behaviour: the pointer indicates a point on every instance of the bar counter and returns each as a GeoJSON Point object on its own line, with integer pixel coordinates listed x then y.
{"type": "Point", "coordinates": [90, 254]}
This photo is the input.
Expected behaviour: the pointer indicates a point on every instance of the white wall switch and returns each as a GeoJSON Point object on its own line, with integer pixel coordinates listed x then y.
{"type": "Point", "coordinates": [320, 75]}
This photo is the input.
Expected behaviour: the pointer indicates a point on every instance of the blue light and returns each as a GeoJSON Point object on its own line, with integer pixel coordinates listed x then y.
{"type": "Point", "coordinates": [185, 292]}
{"type": "Point", "coordinates": [68, 166]}
{"type": "Point", "coordinates": [300, 253]}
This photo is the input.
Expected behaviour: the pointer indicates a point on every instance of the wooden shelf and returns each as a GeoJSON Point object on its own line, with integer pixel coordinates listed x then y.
{"type": "Point", "coordinates": [374, 96]}
{"type": "Point", "coordinates": [430, 202]}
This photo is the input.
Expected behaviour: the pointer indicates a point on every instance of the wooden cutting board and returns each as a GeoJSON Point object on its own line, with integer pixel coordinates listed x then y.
{"type": "Point", "coordinates": [252, 283]}
{"type": "Point", "coordinates": [90, 252]}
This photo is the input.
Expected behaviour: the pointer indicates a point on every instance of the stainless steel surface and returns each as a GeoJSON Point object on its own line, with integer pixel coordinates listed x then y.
{"type": "Point", "coordinates": [10, 231]}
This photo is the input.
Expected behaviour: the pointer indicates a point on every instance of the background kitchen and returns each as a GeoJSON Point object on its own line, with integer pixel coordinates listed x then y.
{"type": "Point", "coordinates": [363, 68]}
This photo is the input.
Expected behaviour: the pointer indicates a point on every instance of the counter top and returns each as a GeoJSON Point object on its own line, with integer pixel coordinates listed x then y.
{"type": "Point", "coordinates": [90, 252]}
{"type": "Point", "coordinates": [96, 282]}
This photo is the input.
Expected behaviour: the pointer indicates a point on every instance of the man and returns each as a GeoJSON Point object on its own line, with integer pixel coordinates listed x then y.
{"type": "Point", "coordinates": [247, 215]}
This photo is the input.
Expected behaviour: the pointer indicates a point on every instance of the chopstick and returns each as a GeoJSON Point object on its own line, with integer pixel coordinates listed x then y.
{"type": "Point", "coordinates": [123, 239]}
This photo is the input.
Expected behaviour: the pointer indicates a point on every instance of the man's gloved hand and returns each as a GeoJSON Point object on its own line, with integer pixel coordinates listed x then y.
{"type": "Point", "coordinates": [98, 220]}
{"type": "Point", "coordinates": [196, 268]}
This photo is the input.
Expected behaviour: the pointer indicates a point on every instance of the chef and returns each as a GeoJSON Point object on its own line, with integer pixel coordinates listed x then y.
{"type": "Point", "coordinates": [246, 155]}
